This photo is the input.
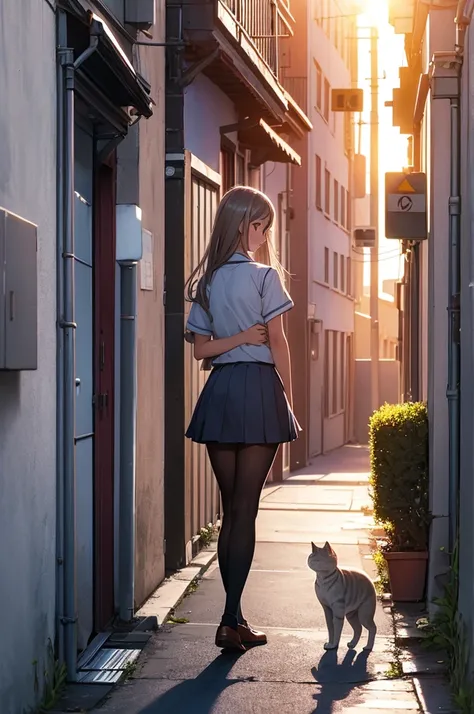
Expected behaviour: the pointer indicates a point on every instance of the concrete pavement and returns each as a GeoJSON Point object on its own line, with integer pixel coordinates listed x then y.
{"type": "Point", "coordinates": [181, 671]}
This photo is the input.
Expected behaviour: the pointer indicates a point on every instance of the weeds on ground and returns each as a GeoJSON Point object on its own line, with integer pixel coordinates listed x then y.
{"type": "Point", "coordinates": [206, 534]}
{"type": "Point", "coordinates": [446, 630]}
{"type": "Point", "coordinates": [54, 681]}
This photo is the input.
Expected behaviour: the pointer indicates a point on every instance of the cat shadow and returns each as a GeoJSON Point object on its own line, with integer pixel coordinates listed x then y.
{"type": "Point", "coordinates": [198, 695]}
{"type": "Point", "coordinates": [337, 680]}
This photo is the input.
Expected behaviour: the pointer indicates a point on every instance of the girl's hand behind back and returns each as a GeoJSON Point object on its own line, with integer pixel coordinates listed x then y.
{"type": "Point", "coordinates": [255, 335]}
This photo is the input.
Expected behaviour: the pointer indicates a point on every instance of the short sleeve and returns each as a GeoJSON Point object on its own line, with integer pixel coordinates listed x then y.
{"type": "Point", "coordinates": [198, 320]}
{"type": "Point", "coordinates": [275, 299]}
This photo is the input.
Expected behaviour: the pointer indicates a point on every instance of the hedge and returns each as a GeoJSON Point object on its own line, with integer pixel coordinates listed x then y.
{"type": "Point", "coordinates": [398, 441]}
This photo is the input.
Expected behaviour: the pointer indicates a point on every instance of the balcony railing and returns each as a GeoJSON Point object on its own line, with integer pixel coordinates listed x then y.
{"type": "Point", "coordinates": [264, 22]}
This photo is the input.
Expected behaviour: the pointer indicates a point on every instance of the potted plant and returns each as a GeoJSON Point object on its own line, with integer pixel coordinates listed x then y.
{"type": "Point", "coordinates": [398, 439]}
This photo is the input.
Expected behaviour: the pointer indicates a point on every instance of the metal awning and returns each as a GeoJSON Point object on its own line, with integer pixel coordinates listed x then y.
{"type": "Point", "coordinates": [265, 144]}
{"type": "Point", "coordinates": [107, 67]}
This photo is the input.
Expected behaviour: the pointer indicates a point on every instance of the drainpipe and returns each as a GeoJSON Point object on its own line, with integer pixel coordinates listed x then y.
{"type": "Point", "coordinates": [454, 351]}
{"type": "Point", "coordinates": [62, 39]}
{"type": "Point", "coordinates": [445, 73]}
{"type": "Point", "coordinates": [128, 416]}
{"type": "Point", "coordinates": [66, 246]}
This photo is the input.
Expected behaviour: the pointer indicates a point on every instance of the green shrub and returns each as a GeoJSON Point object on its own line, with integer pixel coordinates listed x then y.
{"type": "Point", "coordinates": [398, 440]}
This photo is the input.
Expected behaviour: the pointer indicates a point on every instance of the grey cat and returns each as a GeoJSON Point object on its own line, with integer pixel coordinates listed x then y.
{"type": "Point", "coordinates": [343, 593]}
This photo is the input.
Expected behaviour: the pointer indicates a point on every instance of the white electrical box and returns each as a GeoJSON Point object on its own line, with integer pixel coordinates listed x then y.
{"type": "Point", "coordinates": [129, 247]}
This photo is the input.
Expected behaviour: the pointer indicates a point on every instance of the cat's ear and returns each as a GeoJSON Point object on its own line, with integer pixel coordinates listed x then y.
{"type": "Point", "coordinates": [329, 549]}
{"type": "Point", "coordinates": [314, 548]}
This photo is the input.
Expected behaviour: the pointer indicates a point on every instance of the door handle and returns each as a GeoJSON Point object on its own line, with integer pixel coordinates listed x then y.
{"type": "Point", "coordinates": [12, 305]}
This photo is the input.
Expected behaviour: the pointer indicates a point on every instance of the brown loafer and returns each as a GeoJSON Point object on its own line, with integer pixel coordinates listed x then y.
{"type": "Point", "coordinates": [229, 639]}
{"type": "Point", "coordinates": [250, 636]}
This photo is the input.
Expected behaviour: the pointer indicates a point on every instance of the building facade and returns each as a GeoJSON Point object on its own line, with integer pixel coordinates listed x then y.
{"type": "Point", "coordinates": [82, 402]}
{"type": "Point", "coordinates": [28, 398]}
{"type": "Point", "coordinates": [323, 49]}
{"type": "Point", "coordinates": [434, 102]}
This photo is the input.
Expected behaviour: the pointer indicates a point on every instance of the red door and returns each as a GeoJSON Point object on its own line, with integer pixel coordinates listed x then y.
{"type": "Point", "coordinates": [104, 347]}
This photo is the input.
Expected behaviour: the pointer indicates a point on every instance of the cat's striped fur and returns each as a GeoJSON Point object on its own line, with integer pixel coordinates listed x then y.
{"type": "Point", "coordinates": [343, 593]}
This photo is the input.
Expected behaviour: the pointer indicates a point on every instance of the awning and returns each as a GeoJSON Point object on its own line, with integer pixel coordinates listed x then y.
{"type": "Point", "coordinates": [263, 141]}
{"type": "Point", "coordinates": [266, 145]}
{"type": "Point", "coordinates": [107, 67]}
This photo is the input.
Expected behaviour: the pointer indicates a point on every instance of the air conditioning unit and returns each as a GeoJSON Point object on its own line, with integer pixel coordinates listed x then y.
{"type": "Point", "coordinates": [347, 100]}
{"type": "Point", "coordinates": [365, 237]}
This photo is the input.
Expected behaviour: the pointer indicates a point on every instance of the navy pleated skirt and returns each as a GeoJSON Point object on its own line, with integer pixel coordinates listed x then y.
{"type": "Point", "coordinates": [243, 403]}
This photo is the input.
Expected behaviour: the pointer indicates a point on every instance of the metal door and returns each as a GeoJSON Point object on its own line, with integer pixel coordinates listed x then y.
{"type": "Point", "coordinates": [201, 489]}
{"type": "Point", "coordinates": [84, 432]}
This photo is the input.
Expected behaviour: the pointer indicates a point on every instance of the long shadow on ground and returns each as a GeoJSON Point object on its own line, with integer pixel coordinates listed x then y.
{"type": "Point", "coordinates": [198, 695]}
{"type": "Point", "coordinates": [338, 680]}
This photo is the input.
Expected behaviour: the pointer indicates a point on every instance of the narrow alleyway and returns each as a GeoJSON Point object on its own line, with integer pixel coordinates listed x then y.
{"type": "Point", "coordinates": [181, 670]}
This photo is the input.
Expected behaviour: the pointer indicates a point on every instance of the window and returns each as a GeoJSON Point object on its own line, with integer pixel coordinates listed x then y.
{"type": "Point", "coordinates": [327, 192]}
{"type": "Point", "coordinates": [240, 170]}
{"type": "Point", "coordinates": [325, 17]}
{"type": "Point", "coordinates": [343, 208]}
{"type": "Point", "coordinates": [349, 211]}
{"type": "Point", "coordinates": [326, 265]}
{"type": "Point", "coordinates": [327, 372]}
{"type": "Point", "coordinates": [335, 371]}
{"type": "Point", "coordinates": [319, 87]}
{"type": "Point", "coordinates": [342, 372]}
{"type": "Point", "coordinates": [327, 98]}
{"type": "Point", "coordinates": [319, 198]}
{"type": "Point", "coordinates": [348, 277]}
{"type": "Point", "coordinates": [318, 10]}
{"type": "Point", "coordinates": [343, 274]}
{"type": "Point", "coordinates": [233, 165]}
{"type": "Point", "coordinates": [336, 270]}
{"type": "Point", "coordinates": [336, 201]}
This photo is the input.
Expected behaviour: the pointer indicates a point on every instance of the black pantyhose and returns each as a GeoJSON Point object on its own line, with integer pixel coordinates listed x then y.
{"type": "Point", "coordinates": [241, 471]}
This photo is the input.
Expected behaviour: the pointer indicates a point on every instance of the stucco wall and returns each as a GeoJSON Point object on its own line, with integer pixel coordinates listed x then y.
{"type": "Point", "coordinates": [206, 109]}
{"type": "Point", "coordinates": [28, 399]}
{"type": "Point", "coordinates": [389, 392]}
{"type": "Point", "coordinates": [150, 564]}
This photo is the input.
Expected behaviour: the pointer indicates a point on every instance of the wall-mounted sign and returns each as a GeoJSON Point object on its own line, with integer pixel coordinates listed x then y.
{"type": "Point", "coordinates": [405, 206]}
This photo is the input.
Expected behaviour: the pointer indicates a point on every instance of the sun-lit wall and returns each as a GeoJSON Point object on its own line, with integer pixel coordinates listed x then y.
{"type": "Point", "coordinates": [330, 43]}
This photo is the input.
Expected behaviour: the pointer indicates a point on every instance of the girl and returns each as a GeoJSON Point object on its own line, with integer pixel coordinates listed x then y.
{"type": "Point", "coordinates": [245, 409]}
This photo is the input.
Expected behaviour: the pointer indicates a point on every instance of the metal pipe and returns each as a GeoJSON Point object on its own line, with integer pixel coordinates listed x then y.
{"type": "Point", "coordinates": [374, 220]}
{"type": "Point", "coordinates": [452, 391]}
{"type": "Point", "coordinates": [66, 247]}
{"type": "Point", "coordinates": [69, 618]}
{"type": "Point", "coordinates": [128, 417]}
{"type": "Point", "coordinates": [62, 37]}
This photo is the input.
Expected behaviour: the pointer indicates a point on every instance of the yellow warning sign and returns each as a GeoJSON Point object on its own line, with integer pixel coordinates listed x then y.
{"type": "Point", "coordinates": [405, 187]}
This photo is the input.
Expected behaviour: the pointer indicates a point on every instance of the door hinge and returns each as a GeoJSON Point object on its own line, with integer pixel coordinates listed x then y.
{"type": "Point", "coordinates": [164, 546]}
{"type": "Point", "coordinates": [101, 401]}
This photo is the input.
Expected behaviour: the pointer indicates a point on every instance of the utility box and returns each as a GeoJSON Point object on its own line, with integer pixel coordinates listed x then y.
{"type": "Point", "coordinates": [141, 13]}
{"type": "Point", "coordinates": [347, 100]}
{"type": "Point", "coordinates": [365, 237]}
{"type": "Point", "coordinates": [18, 293]}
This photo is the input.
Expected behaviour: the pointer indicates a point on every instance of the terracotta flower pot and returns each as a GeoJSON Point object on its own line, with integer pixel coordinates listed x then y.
{"type": "Point", "coordinates": [407, 573]}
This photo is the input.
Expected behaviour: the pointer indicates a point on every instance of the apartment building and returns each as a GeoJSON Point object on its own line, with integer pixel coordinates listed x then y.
{"type": "Point", "coordinates": [229, 120]}
{"type": "Point", "coordinates": [321, 329]}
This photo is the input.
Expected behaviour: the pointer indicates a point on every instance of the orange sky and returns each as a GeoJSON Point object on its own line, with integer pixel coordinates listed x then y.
{"type": "Point", "coordinates": [393, 146]}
